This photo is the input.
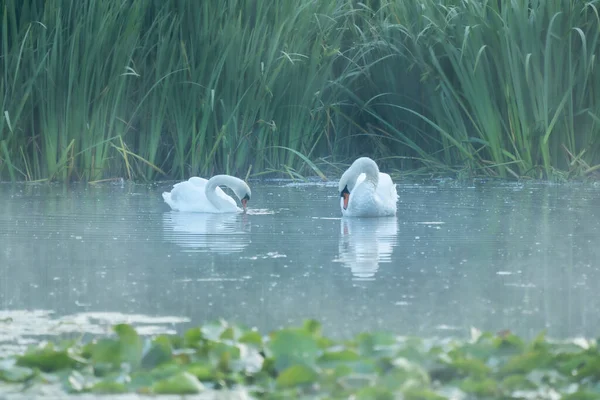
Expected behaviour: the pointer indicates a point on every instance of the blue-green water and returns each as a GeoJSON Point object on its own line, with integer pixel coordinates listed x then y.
{"type": "Point", "coordinates": [523, 257]}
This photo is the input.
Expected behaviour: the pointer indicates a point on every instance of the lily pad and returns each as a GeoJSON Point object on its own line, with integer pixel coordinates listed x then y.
{"type": "Point", "coordinates": [159, 352]}
{"type": "Point", "coordinates": [333, 358]}
{"type": "Point", "coordinates": [15, 373]}
{"type": "Point", "coordinates": [289, 348]}
{"type": "Point", "coordinates": [204, 372]}
{"type": "Point", "coordinates": [296, 375]}
{"type": "Point", "coordinates": [182, 383]}
{"type": "Point", "coordinates": [108, 387]}
{"type": "Point", "coordinates": [377, 344]}
{"type": "Point", "coordinates": [301, 363]}
{"type": "Point", "coordinates": [47, 359]}
{"type": "Point", "coordinates": [375, 393]}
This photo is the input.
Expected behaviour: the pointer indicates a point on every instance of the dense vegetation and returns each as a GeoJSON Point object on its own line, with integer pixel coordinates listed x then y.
{"type": "Point", "coordinates": [150, 89]}
{"type": "Point", "coordinates": [303, 363]}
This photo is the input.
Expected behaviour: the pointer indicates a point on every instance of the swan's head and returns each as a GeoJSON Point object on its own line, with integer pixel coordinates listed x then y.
{"type": "Point", "coordinates": [362, 165]}
{"type": "Point", "coordinates": [243, 192]}
{"type": "Point", "coordinates": [344, 191]}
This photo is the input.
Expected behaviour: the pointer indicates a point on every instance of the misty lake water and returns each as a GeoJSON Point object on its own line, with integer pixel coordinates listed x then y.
{"type": "Point", "coordinates": [494, 256]}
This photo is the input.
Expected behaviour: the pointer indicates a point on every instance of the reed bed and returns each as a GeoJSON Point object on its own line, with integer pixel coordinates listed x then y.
{"type": "Point", "coordinates": [507, 89]}
{"type": "Point", "coordinates": [148, 89]}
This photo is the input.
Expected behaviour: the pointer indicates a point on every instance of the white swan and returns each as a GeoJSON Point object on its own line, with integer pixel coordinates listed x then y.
{"type": "Point", "coordinates": [366, 192]}
{"type": "Point", "coordinates": [205, 196]}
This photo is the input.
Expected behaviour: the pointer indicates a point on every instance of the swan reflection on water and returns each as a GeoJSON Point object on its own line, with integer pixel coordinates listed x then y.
{"type": "Point", "coordinates": [207, 232]}
{"type": "Point", "coordinates": [366, 242]}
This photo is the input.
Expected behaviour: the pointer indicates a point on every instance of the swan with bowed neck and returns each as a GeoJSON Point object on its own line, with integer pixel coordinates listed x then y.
{"type": "Point", "coordinates": [366, 192]}
{"type": "Point", "coordinates": [205, 196]}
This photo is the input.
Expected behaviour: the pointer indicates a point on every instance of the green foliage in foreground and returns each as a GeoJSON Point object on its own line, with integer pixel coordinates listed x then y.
{"type": "Point", "coordinates": [302, 363]}
{"type": "Point", "coordinates": [146, 89]}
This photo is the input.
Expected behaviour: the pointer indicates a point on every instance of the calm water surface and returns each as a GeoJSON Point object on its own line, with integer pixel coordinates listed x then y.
{"type": "Point", "coordinates": [523, 257]}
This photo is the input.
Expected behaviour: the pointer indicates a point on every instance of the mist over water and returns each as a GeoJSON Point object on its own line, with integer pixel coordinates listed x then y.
{"type": "Point", "coordinates": [522, 257]}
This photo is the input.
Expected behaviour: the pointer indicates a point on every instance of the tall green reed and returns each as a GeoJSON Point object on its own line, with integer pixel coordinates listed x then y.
{"type": "Point", "coordinates": [148, 89]}
{"type": "Point", "coordinates": [16, 86]}
{"type": "Point", "coordinates": [72, 70]}
{"type": "Point", "coordinates": [137, 87]}
{"type": "Point", "coordinates": [254, 86]}
{"type": "Point", "coordinates": [510, 86]}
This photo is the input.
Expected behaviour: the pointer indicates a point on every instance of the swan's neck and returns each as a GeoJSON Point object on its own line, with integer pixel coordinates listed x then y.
{"type": "Point", "coordinates": [211, 187]}
{"type": "Point", "coordinates": [372, 179]}
{"type": "Point", "coordinates": [371, 171]}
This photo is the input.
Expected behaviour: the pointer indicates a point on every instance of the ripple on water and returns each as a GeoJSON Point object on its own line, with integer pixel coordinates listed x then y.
{"type": "Point", "coordinates": [259, 211]}
{"type": "Point", "coordinates": [449, 258]}
{"type": "Point", "coordinates": [205, 232]}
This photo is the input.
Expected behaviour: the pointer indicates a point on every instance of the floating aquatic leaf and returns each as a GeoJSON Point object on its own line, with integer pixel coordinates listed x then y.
{"type": "Point", "coordinates": [193, 337]}
{"type": "Point", "coordinates": [405, 375]}
{"type": "Point", "coordinates": [222, 356]}
{"type": "Point", "coordinates": [412, 350]}
{"type": "Point", "coordinates": [103, 351]}
{"type": "Point", "coordinates": [583, 365]}
{"type": "Point", "coordinates": [517, 382]}
{"type": "Point", "coordinates": [363, 366]}
{"type": "Point", "coordinates": [510, 343]}
{"type": "Point", "coordinates": [182, 383]}
{"type": "Point", "coordinates": [469, 367]}
{"type": "Point", "coordinates": [160, 352]}
{"type": "Point", "coordinates": [15, 373]}
{"type": "Point", "coordinates": [109, 353]}
{"type": "Point", "coordinates": [481, 388]}
{"type": "Point", "coordinates": [334, 358]}
{"type": "Point", "coordinates": [204, 372]}
{"type": "Point", "coordinates": [108, 387]}
{"type": "Point", "coordinates": [296, 375]}
{"type": "Point", "coordinates": [301, 363]}
{"type": "Point", "coordinates": [130, 344]}
{"type": "Point", "coordinates": [313, 327]}
{"type": "Point", "coordinates": [164, 371]}
{"type": "Point", "coordinates": [357, 381]}
{"type": "Point", "coordinates": [289, 347]}
{"type": "Point", "coordinates": [582, 395]}
{"type": "Point", "coordinates": [527, 362]}
{"type": "Point", "coordinates": [377, 344]}
{"type": "Point", "coordinates": [252, 338]}
{"type": "Point", "coordinates": [232, 332]}
{"type": "Point", "coordinates": [422, 394]}
{"type": "Point", "coordinates": [488, 345]}
{"type": "Point", "coordinates": [47, 359]}
{"type": "Point", "coordinates": [143, 380]}
{"type": "Point", "coordinates": [374, 393]}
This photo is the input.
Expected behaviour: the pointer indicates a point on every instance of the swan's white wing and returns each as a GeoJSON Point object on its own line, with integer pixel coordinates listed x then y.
{"type": "Point", "coordinates": [197, 181]}
{"type": "Point", "coordinates": [386, 189]}
{"type": "Point", "coordinates": [189, 196]}
{"type": "Point", "coordinates": [186, 190]}
{"type": "Point", "coordinates": [187, 193]}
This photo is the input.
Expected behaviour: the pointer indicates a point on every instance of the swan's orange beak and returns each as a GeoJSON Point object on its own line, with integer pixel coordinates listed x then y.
{"type": "Point", "coordinates": [346, 197]}
{"type": "Point", "coordinates": [244, 201]}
